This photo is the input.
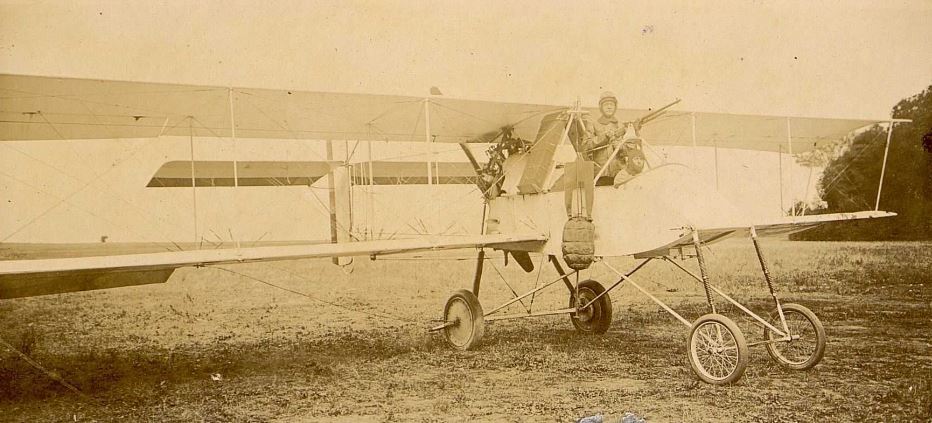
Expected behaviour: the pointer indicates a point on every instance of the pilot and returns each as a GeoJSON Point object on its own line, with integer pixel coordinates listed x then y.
{"type": "Point", "coordinates": [602, 132]}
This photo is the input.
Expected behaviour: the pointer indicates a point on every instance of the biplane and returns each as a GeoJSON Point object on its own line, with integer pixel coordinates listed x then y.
{"type": "Point", "coordinates": [541, 194]}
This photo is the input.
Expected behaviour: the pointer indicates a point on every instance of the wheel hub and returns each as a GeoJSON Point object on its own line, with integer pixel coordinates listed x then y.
{"type": "Point", "coordinates": [584, 314]}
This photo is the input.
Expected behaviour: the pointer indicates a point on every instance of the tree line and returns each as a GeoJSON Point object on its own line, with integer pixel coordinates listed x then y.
{"type": "Point", "coordinates": [850, 180]}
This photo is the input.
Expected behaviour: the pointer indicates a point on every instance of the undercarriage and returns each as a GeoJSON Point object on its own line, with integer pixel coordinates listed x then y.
{"type": "Point", "coordinates": [717, 349]}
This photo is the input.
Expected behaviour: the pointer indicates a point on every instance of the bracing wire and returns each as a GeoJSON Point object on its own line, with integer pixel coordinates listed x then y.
{"type": "Point", "coordinates": [515, 293]}
{"type": "Point", "coordinates": [52, 375]}
{"type": "Point", "coordinates": [382, 315]}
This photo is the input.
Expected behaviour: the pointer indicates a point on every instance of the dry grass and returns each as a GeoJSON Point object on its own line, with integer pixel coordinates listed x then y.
{"type": "Point", "coordinates": [148, 353]}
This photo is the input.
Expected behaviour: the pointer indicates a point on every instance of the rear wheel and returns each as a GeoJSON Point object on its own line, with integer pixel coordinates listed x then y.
{"type": "Point", "coordinates": [596, 318]}
{"type": "Point", "coordinates": [466, 318]}
{"type": "Point", "coordinates": [717, 350]}
{"type": "Point", "coordinates": [807, 344]}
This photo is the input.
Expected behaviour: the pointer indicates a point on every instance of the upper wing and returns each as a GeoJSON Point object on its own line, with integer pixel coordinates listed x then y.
{"type": "Point", "coordinates": [23, 278]}
{"type": "Point", "coordinates": [749, 132]}
{"type": "Point", "coordinates": [47, 108]}
{"type": "Point", "coordinates": [781, 226]}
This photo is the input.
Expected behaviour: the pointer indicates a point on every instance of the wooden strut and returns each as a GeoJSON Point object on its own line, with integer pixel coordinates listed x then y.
{"type": "Point", "coordinates": [235, 157]}
{"type": "Point", "coordinates": [626, 277]}
{"type": "Point", "coordinates": [653, 298]}
{"type": "Point", "coordinates": [883, 168]}
{"type": "Point", "coordinates": [562, 273]}
{"type": "Point", "coordinates": [619, 282]}
{"type": "Point", "coordinates": [718, 291]}
{"type": "Point", "coordinates": [702, 270]}
{"type": "Point", "coordinates": [535, 290]}
{"type": "Point", "coordinates": [480, 264]}
{"type": "Point", "coordinates": [768, 278]}
{"type": "Point", "coordinates": [568, 310]}
{"type": "Point", "coordinates": [193, 177]}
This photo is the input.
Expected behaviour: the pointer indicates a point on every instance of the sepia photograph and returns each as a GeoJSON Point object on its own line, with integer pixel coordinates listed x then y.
{"type": "Point", "coordinates": [437, 211]}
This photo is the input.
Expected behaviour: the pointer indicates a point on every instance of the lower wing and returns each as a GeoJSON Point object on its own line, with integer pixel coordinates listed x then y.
{"type": "Point", "coordinates": [781, 226]}
{"type": "Point", "coordinates": [26, 278]}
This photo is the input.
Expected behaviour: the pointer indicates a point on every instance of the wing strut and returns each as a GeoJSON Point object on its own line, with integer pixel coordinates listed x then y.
{"type": "Point", "coordinates": [883, 167]}
{"type": "Point", "coordinates": [193, 178]}
{"type": "Point", "coordinates": [780, 164]}
{"type": "Point", "coordinates": [789, 147]}
{"type": "Point", "coordinates": [235, 165]}
{"type": "Point", "coordinates": [692, 121]}
{"type": "Point", "coordinates": [430, 150]}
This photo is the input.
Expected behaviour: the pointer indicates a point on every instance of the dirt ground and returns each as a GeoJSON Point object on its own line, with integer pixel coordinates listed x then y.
{"type": "Point", "coordinates": [211, 345]}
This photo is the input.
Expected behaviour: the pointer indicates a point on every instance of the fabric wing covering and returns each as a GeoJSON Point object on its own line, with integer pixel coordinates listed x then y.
{"type": "Point", "coordinates": [25, 278]}
{"type": "Point", "coordinates": [47, 108]}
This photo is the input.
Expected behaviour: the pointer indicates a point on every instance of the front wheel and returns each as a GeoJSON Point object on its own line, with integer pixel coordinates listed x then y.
{"type": "Point", "coordinates": [806, 345]}
{"type": "Point", "coordinates": [717, 350]}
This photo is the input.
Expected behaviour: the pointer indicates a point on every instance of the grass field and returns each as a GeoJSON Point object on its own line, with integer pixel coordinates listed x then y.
{"type": "Point", "coordinates": [215, 346]}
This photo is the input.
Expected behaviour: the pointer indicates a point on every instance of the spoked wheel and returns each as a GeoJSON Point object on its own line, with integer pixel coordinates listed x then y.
{"type": "Point", "coordinates": [596, 318]}
{"type": "Point", "coordinates": [468, 321]}
{"type": "Point", "coordinates": [807, 345]}
{"type": "Point", "coordinates": [718, 352]}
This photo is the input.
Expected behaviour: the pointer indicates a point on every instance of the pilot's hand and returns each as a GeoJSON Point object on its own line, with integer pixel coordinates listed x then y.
{"type": "Point", "coordinates": [614, 134]}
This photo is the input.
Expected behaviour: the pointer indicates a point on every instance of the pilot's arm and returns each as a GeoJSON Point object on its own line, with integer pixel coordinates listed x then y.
{"type": "Point", "coordinates": [598, 136]}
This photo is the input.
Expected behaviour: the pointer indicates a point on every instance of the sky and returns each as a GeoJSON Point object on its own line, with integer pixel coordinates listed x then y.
{"type": "Point", "coordinates": [847, 58]}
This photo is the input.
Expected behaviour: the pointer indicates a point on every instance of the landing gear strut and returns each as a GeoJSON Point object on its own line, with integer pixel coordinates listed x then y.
{"type": "Point", "coordinates": [716, 348]}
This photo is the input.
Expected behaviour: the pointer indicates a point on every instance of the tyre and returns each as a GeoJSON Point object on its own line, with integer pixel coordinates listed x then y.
{"type": "Point", "coordinates": [464, 310]}
{"type": "Point", "coordinates": [597, 318]}
{"type": "Point", "coordinates": [808, 346]}
{"type": "Point", "coordinates": [717, 350]}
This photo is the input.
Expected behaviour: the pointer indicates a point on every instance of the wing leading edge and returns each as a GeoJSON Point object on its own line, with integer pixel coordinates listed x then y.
{"type": "Point", "coordinates": [25, 278]}
{"type": "Point", "coordinates": [48, 108]}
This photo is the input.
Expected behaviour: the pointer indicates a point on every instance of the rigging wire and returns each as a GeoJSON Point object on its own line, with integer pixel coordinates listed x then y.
{"type": "Point", "coordinates": [291, 132]}
{"type": "Point", "coordinates": [540, 268]}
{"type": "Point", "coordinates": [52, 375]}
{"type": "Point", "coordinates": [66, 201]}
{"type": "Point", "coordinates": [381, 315]}
{"type": "Point", "coordinates": [852, 161]}
{"type": "Point", "coordinates": [87, 184]}
{"type": "Point", "coordinates": [515, 293]}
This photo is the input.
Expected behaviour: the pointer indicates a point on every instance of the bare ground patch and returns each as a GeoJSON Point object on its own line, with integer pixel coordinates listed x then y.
{"type": "Point", "coordinates": [148, 353]}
